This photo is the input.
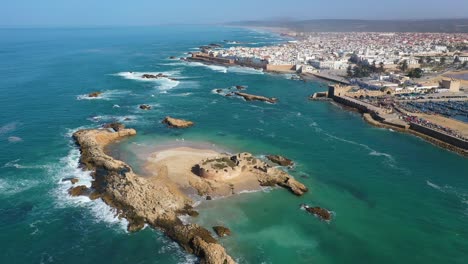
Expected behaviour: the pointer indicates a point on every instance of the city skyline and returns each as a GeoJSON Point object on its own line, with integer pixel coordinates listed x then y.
{"type": "Point", "coordinates": [144, 12]}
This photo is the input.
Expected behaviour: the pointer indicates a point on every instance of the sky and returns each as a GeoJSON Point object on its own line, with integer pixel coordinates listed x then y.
{"type": "Point", "coordinates": [153, 12]}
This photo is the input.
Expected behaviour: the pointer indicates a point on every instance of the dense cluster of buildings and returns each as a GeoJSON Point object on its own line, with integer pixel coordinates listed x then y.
{"type": "Point", "coordinates": [316, 51]}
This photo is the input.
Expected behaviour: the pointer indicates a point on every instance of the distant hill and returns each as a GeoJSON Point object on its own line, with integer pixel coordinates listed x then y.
{"type": "Point", "coordinates": [351, 25]}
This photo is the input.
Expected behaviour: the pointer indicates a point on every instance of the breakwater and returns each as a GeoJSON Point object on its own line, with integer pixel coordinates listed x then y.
{"type": "Point", "coordinates": [378, 117]}
{"type": "Point", "coordinates": [458, 142]}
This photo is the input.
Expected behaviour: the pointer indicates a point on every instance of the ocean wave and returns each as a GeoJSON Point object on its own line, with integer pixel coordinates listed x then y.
{"type": "Point", "coordinates": [244, 70]}
{"type": "Point", "coordinates": [433, 185]}
{"type": "Point", "coordinates": [10, 187]}
{"type": "Point", "coordinates": [199, 64]}
{"type": "Point", "coordinates": [171, 247]}
{"type": "Point", "coordinates": [461, 194]}
{"type": "Point", "coordinates": [162, 83]}
{"type": "Point", "coordinates": [14, 139]}
{"type": "Point", "coordinates": [166, 84]}
{"type": "Point", "coordinates": [224, 69]}
{"type": "Point", "coordinates": [15, 164]}
{"type": "Point", "coordinates": [105, 95]}
{"type": "Point", "coordinates": [111, 118]}
{"type": "Point", "coordinates": [182, 94]}
{"type": "Point", "coordinates": [68, 167]}
{"type": "Point", "coordinates": [10, 127]}
{"type": "Point", "coordinates": [69, 131]}
{"type": "Point", "coordinates": [372, 151]}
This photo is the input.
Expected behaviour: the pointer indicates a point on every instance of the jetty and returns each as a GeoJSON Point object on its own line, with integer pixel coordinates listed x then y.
{"type": "Point", "coordinates": [393, 117]}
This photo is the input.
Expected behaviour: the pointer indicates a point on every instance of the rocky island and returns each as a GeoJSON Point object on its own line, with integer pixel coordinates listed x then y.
{"type": "Point", "coordinates": [159, 198]}
{"type": "Point", "coordinates": [252, 97]}
{"type": "Point", "coordinates": [94, 94]}
{"type": "Point", "coordinates": [177, 123]}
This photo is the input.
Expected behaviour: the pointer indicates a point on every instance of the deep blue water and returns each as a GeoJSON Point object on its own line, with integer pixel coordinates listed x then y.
{"type": "Point", "coordinates": [396, 198]}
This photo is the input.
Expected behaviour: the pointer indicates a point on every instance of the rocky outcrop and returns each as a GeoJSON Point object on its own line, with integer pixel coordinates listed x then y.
{"type": "Point", "coordinates": [115, 126]}
{"type": "Point", "coordinates": [240, 87]}
{"type": "Point", "coordinates": [78, 190]}
{"type": "Point", "coordinates": [177, 123]}
{"type": "Point", "coordinates": [321, 213]}
{"type": "Point", "coordinates": [72, 180]}
{"type": "Point", "coordinates": [154, 76]}
{"type": "Point", "coordinates": [226, 168]}
{"type": "Point", "coordinates": [252, 97]}
{"type": "Point", "coordinates": [152, 201]}
{"type": "Point", "coordinates": [145, 107]}
{"type": "Point", "coordinates": [94, 94]}
{"type": "Point", "coordinates": [280, 160]}
{"type": "Point", "coordinates": [222, 231]}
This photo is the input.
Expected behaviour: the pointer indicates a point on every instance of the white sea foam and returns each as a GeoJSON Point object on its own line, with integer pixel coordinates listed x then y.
{"type": "Point", "coordinates": [69, 132]}
{"type": "Point", "coordinates": [173, 248]}
{"type": "Point", "coordinates": [372, 152]}
{"type": "Point", "coordinates": [15, 164]}
{"type": "Point", "coordinates": [461, 194]}
{"type": "Point", "coordinates": [182, 94]}
{"type": "Point", "coordinates": [10, 127]}
{"type": "Point", "coordinates": [223, 92]}
{"type": "Point", "coordinates": [161, 83]}
{"type": "Point", "coordinates": [111, 118]}
{"type": "Point", "coordinates": [433, 185]}
{"type": "Point", "coordinates": [167, 84]}
{"type": "Point", "coordinates": [10, 187]}
{"type": "Point", "coordinates": [14, 139]}
{"type": "Point", "coordinates": [68, 167]}
{"type": "Point", "coordinates": [244, 70]}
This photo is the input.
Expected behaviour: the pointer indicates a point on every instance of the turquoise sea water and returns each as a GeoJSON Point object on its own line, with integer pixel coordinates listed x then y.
{"type": "Point", "coordinates": [395, 197]}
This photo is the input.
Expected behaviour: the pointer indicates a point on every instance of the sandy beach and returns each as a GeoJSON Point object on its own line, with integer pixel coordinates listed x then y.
{"type": "Point", "coordinates": [175, 164]}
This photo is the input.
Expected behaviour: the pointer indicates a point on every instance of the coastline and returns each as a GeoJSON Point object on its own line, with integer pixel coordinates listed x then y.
{"type": "Point", "coordinates": [368, 118]}
{"type": "Point", "coordinates": [161, 199]}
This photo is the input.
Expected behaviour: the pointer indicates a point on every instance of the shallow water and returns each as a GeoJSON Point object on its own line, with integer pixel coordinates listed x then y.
{"type": "Point", "coordinates": [395, 197]}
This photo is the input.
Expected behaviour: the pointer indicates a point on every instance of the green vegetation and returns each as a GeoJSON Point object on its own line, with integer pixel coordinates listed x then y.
{"type": "Point", "coordinates": [220, 163]}
{"type": "Point", "coordinates": [415, 73]}
{"type": "Point", "coordinates": [403, 66]}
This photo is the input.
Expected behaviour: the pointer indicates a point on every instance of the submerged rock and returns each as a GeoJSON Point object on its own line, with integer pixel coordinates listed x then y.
{"type": "Point", "coordinates": [177, 123]}
{"type": "Point", "coordinates": [145, 107]}
{"type": "Point", "coordinates": [72, 180]}
{"type": "Point", "coordinates": [153, 76]}
{"type": "Point", "coordinates": [280, 160]}
{"type": "Point", "coordinates": [252, 97]}
{"type": "Point", "coordinates": [240, 87]}
{"type": "Point", "coordinates": [321, 213]}
{"type": "Point", "coordinates": [94, 94]}
{"type": "Point", "coordinates": [222, 231]}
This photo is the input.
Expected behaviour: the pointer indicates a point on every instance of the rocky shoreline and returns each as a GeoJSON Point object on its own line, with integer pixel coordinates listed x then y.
{"type": "Point", "coordinates": [252, 97]}
{"type": "Point", "coordinates": [158, 201]}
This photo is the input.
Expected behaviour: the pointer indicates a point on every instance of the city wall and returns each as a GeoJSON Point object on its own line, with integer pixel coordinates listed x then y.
{"type": "Point", "coordinates": [440, 136]}
{"type": "Point", "coordinates": [280, 68]}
